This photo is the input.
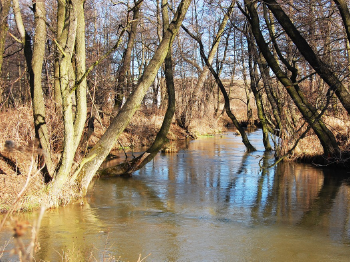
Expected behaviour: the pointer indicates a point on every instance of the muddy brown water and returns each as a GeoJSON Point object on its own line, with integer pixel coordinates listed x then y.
{"type": "Point", "coordinates": [209, 202]}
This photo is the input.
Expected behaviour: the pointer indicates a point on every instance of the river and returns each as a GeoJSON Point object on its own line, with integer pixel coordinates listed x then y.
{"type": "Point", "coordinates": [209, 202]}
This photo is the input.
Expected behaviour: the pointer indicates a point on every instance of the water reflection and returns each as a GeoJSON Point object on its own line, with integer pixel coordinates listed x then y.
{"type": "Point", "coordinates": [209, 202]}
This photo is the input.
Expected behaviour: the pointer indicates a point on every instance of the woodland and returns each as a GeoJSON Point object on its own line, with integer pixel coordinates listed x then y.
{"type": "Point", "coordinates": [68, 68]}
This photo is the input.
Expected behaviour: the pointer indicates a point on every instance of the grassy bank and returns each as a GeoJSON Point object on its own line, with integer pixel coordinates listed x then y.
{"type": "Point", "coordinates": [19, 168]}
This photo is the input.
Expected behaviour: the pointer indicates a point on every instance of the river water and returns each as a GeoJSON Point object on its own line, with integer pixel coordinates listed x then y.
{"type": "Point", "coordinates": [209, 202]}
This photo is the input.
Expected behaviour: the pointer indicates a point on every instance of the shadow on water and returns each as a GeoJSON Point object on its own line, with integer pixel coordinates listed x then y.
{"type": "Point", "coordinates": [208, 202]}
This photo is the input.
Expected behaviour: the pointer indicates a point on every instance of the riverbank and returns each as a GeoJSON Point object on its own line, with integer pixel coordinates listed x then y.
{"type": "Point", "coordinates": [19, 160]}
{"type": "Point", "coordinates": [19, 169]}
{"type": "Point", "coordinates": [212, 194]}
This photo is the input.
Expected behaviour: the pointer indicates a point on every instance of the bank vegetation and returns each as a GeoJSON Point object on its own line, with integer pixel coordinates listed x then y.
{"type": "Point", "coordinates": [82, 81]}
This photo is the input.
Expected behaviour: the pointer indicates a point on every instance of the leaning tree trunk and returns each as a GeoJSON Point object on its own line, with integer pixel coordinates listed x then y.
{"type": "Point", "coordinates": [306, 50]}
{"type": "Point", "coordinates": [325, 136]}
{"type": "Point", "coordinates": [102, 148]}
{"type": "Point", "coordinates": [245, 140]}
{"type": "Point", "coordinates": [213, 50]}
{"type": "Point", "coordinates": [161, 138]}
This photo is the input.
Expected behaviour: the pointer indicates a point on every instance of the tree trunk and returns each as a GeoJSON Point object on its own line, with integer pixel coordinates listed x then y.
{"type": "Point", "coordinates": [66, 84]}
{"type": "Point", "coordinates": [36, 90]}
{"type": "Point", "coordinates": [4, 11]}
{"type": "Point", "coordinates": [81, 90]}
{"type": "Point", "coordinates": [161, 139]}
{"type": "Point", "coordinates": [306, 50]}
{"type": "Point", "coordinates": [102, 148]}
{"type": "Point", "coordinates": [125, 64]}
{"type": "Point", "coordinates": [34, 60]}
{"type": "Point", "coordinates": [245, 140]}
{"type": "Point", "coordinates": [325, 136]}
{"type": "Point", "coordinates": [213, 50]}
{"type": "Point", "coordinates": [254, 82]}
{"type": "Point", "coordinates": [61, 34]}
{"type": "Point", "coordinates": [247, 91]}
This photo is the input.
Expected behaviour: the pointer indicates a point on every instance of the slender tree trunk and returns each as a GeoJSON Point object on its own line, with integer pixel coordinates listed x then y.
{"type": "Point", "coordinates": [102, 148]}
{"type": "Point", "coordinates": [4, 11]}
{"type": "Point", "coordinates": [245, 140]}
{"type": "Point", "coordinates": [161, 139]}
{"type": "Point", "coordinates": [80, 93]}
{"type": "Point", "coordinates": [213, 50]}
{"type": "Point", "coordinates": [125, 67]}
{"type": "Point", "coordinates": [61, 34]}
{"type": "Point", "coordinates": [34, 60]}
{"type": "Point", "coordinates": [306, 50]}
{"type": "Point", "coordinates": [254, 82]}
{"type": "Point", "coordinates": [248, 91]}
{"type": "Point", "coordinates": [325, 136]}
{"type": "Point", "coordinates": [275, 103]}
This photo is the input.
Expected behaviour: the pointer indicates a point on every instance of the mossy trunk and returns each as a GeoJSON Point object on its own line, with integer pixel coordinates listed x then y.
{"type": "Point", "coordinates": [74, 120]}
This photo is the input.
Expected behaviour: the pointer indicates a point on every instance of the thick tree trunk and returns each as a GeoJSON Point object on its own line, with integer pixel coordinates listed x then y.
{"type": "Point", "coordinates": [66, 84]}
{"type": "Point", "coordinates": [102, 148]}
{"type": "Point", "coordinates": [36, 90]}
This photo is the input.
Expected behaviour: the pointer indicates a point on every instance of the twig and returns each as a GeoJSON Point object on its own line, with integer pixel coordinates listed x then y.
{"type": "Point", "coordinates": [29, 177]}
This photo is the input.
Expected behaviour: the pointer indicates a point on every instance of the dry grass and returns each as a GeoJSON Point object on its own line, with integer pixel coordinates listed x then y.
{"type": "Point", "coordinates": [310, 147]}
{"type": "Point", "coordinates": [17, 125]}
